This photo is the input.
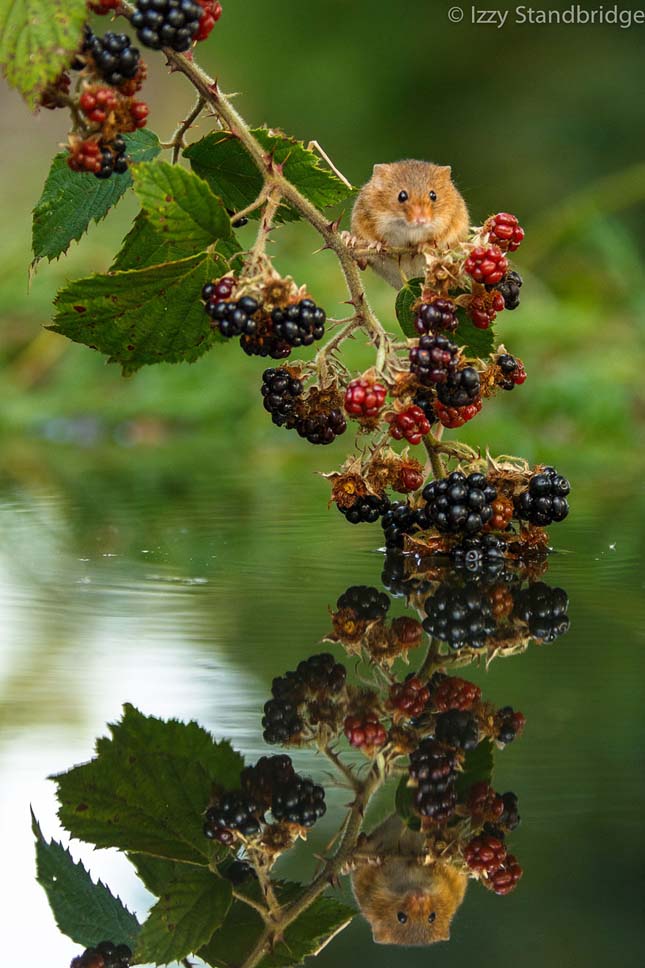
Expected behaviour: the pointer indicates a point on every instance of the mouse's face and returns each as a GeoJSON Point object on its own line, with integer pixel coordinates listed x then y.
{"type": "Point", "coordinates": [417, 201]}
{"type": "Point", "coordinates": [407, 904]}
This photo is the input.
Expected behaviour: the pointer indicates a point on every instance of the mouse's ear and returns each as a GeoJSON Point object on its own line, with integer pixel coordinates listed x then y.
{"type": "Point", "coordinates": [445, 170]}
{"type": "Point", "coordinates": [378, 171]}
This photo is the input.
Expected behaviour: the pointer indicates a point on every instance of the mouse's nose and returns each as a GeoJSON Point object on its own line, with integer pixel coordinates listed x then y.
{"type": "Point", "coordinates": [417, 216]}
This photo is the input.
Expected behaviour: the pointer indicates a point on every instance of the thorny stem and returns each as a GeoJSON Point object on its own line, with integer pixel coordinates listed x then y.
{"type": "Point", "coordinates": [347, 772]}
{"type": "Point", "coordinates": [260, 908]}
{"type": "Point", "coordinates": [177, 141]}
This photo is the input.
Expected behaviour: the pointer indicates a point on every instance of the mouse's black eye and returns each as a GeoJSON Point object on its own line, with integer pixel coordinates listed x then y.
{"type": "Point", "coordinates": [403, 196]}
{"type": "Point", "coordinates": [402, 917]}
{"type": "Point", "coordinates": [431, 917]}
{"type": "Point", "coordinates": [433, 196]}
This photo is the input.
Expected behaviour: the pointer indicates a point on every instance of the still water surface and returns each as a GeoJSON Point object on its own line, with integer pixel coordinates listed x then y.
{"type": "Point", "coordinates": [184, 588]}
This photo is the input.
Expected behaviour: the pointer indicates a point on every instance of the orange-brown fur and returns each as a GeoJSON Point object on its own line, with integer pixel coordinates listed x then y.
{"type": "Point", "coordinates": [379, 216]}
{"type": "Point", "coordinates": [427, 894]}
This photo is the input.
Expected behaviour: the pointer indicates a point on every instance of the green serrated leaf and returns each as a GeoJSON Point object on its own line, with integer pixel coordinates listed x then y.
{"type": "Point", "coordinates": [405, 300]}
{"type": "Point", "coordinates": [403, 802]}
{"type": "Point", "coordinates": [154, 872]}
{"type": "Point", "coordinates": [147, 788]}
{"type": "Point", "coordinates": [478, 766]}
{"type": "Point", "coordinates": [85, 911]}
{"type": "Point", "coordinates": [475, 343]}
{"type": "Point", "coordinates": [37, 41]}
{"type": "Point", "coordinates": [193, 905]}
{"type": "Point", "coordinates": [237, 937]}
{"type": "Point", "coordinates": [72, 200]}
{"type": "Point", "coordinates": [180, 205]}
{"type": "Point", "coordinates": [151, 315]}
{"type": "Point", "coordinates": [224, 163]}
{"type": "Point", "coordinates": [144, 246]}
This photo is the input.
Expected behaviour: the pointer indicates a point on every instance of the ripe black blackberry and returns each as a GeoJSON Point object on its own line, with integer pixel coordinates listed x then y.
{"type": "Point", "coordinates": [508, 365]}
{"type": "Point", "coordinates": [480, 553]}
{"type": "Point", "coordinates": [234, 811]}
{"type": "Point", "coordinates": [318, 676]}
{"type": "Point", "coordinates": [167, 23]}
{"type": "Point", "coordinates": [238, 872]}
{"type": "Point", "coordinates": [281, 393]}
{"type": "Point", "coordinates": [300, 801]}
{"type": "Point", "coordinates": [436, 317]}
{"type": "Point", "coordinates": [321, 673]}
{"type": "Point", "coordinates": [459, 504]}
{"type": "Point", "coordinates": [461, 388]}
{"type": "Point", "coordinates": [281, 722]}
{"type": "Point", "coordinates": [435, 769]}
{"type": "Point", "coordinates": [460, 616]}
{"type": "Point", "coordinates": [231, 318]}
{"type": "Point", "coordinates": [322, 427]}
{"type": "Point", "coordinates": [260, 781]}
{"type": "Point", "coordinates": [105, 955]}
{"type": "Point", "coordinates": [115, 58]}
{"type": "Point", "coordinates": [544, 609]}
{"type": "Point", "coordinates": [545, 499]}
{"type": "Point", "coordinates": [510, 287]}
{"type": "Point", "coordinates": [300, 324]}
{"type": "Point", "coordinates": [368, 603]}
{"type": "Point", "coordinates": [262, 341]}
{"type": "Point", "coordinates": [400, 519]}
{"type": "Point", "coordinates": [510, 819]}
{"type": "Point", "coordinates": [508, 724]}
{"type": "Point", "coordinates": [457, 728]}
{"type": "Point", "coordinates": [113, 160]}
{"type": "Point", "coordinates": [433, 360]}
{"type": "Point", "coordinates": [424, 399]}
{"type": "Point", "coordinates": [366, 509]}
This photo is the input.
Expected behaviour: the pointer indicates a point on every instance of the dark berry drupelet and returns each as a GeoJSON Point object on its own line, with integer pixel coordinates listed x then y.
{"type": "Point", "coordinates": [235, 812]}
{"type": "Point", "coordinates": [299, 801]}
{"type": "Point", "coordinates": [365, 510]}
{"type": "Point", "coordinates": [425, 400]}
{"type": "Point", "coordinates": [232, 318]}
{"type": "Point", "coordinates": [113, 160]}
{"type": "Point", "coordinates": [300, 324]}
{"type": "Point", "coordinates": [545, 499]}
{"type": "Point", "coordinates": [461, 389]}
{"type": "Point", "coordinates": [115, 58]}
{"type": "Point", "coordinates": [510, 287]}
{"type": "Point", "coordinates": [434, 360]}
{"type": "Point", "coordinates": [460, 616]}
{"type": "Point", "coordinates": [453, 693]}
{"type": "Point", "coordinates": [400, 519]}
{"type": "Point", "coordinates": [480, 553]}
{"type": "Point", "coordinates": [438, 316]}
{"type": "Point", "coordinates": [106, 954]}
{"type": "Point", "coordinates": [281, 393]}
{"type": "Point", "coordinates": [457, 728]}
{"type": "Point", "coordinates": [323, 427]}
{"type": "Point", "coordinates": [368, 602]}
{"type": "Point", "coordinates": [544, 609]}
{"type": "Point", "coordinates": [458, 504]}
{"type": "Point", "coordinates": [167, 23]}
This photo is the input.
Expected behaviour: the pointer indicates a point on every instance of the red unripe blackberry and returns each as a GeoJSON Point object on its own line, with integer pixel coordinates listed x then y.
{"type": "Point", "coordinates": [365, 510]}
{"type": "Point", "coordinates": [364, 732]}
{"type": "Point", "coordinates": [102, 7]}
{"type": "Point", "coordinates": [510, 287]}
{"type": "Point", "coordinates": [409, 698]}
{"type": "Point", "coordinates": [483, 803]}
{"type": "Point", "coordinates": [502, 513]}
{"type": "Point", "coordinates": [411, 424]}
{"type": "Point", "coordinates": [454, 417]}
{"type": "Point", "coordinates": [461, 389]}
{"type": "Point", "coordinates": [139, 112]}
{"type": "Point", "coordinates": [433, 360]}
{"type": "Point", "coordinates": [437, 316]}
{"type": "Point", "coordinates": [486, 264]}
{"type": "Point", "coordinates": [96, 104]}
{"type": "Point", "coordinates": [485, 853]}
{"type": "Point", "coordinates": [85, 156]}
{"type": "Point", "coordinates": [455, 693]}
{"type": "Point", "coordinates": [545, 499]}
{"type": "Point", "coordinates": [505, 231]}
{"type": "Point", "coordinates": [505, 878]}
{"type": "Point", "coordinates": [410, 478]}
{"type": "Point", "coordinates": [508, 724]}
{"type": "Point", "coordinates": [212, 12]}
{"type": "Point", "coordinates": [484, 309]}
{"type": "Point", "coordinates": [364, 398]}
{"type": "Point", "coordinates": [458, 504]}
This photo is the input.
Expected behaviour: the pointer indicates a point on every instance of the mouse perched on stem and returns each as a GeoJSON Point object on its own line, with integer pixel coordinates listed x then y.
{"type": "Point", "coordinates": [408, 203]}
{"type": "Point", "coordinates": [406, 900]}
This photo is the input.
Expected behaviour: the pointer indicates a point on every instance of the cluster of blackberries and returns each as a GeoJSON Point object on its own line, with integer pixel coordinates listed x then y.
{"type": "Point", "coordinates": [510, 287]}
{"type": "Point", "coordinates": [167, 23]}
{"type": "Point", "coordinates": [366, 509]}
{"type": "Point", "coordinates": [544, 609]}
{"type": "Point", "coordinates": [367, 602]}
{"type": "Point", "coordinates": [115, 58]}
{"type": "Point", "coordinates": [433, 360]}
{"type": "Point", "coordinates": [235, 811]}
{"type": "Point", "coordinates": [434, 768]}
{"type": "Point", "coordinates": [460, 616]}
{"type": "Point", "coordinates": [401, 519]}
{"type": "Point", "coordinates": [299, 801]}
{"type": "Point", "coordinates": [113, 160]}
{"type": "Point", "coordinates": [438, 316]}
{"type": "Point", "coordinates": [457, 728]}
{"type": "Point", "coordinates": [319, 675]}
{"type": "Point", "coordinates": [230, 317]}
{"type": "Point", "coordinates": [459, 504]}
{"type": "Point", "coordinates": [483, 552]}
{"type": "Point", "coordinates": [104, 955]}
{"type": "Point", "coordinates": [300, 324]}
{"type": "Point", "coordinates": [460, 389]}
{"type": "Point", "coordinates": [281, 393]}
{"type": "Point", "coordinates": [545, 500]}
